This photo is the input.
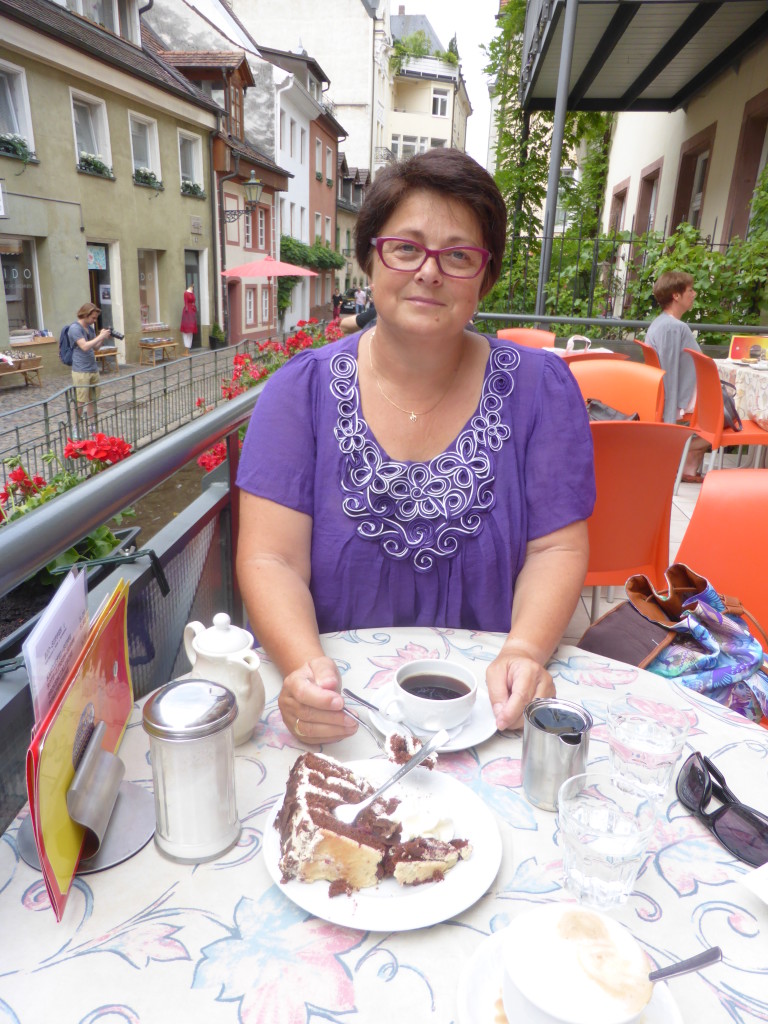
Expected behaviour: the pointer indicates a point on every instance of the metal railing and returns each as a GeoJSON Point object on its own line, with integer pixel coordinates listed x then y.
{"type": "Point", "coordinates": [195, 551]}
{"type": "Point", "coordinates": [140, 407]}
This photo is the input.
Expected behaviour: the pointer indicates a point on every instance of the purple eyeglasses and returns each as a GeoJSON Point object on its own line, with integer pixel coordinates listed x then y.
{"type": "Point", "coordinates": [407, 256]}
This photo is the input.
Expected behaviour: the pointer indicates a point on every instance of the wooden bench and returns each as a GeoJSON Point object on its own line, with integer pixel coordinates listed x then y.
{"type": "Point", "coordinates": [103, 357]}
{"type": "Point", "coordinates": [149, 351]}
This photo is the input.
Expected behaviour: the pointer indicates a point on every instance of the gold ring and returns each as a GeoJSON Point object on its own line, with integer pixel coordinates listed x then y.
{"type": "Point", "coordinates": [296, 729]}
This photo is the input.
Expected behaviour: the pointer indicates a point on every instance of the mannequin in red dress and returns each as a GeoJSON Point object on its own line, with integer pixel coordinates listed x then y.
{"type": "Point", "coordinates": [188, 319]}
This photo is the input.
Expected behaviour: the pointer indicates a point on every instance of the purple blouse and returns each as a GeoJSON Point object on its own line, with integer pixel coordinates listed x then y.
{"type": "Point", "coordinates": [436, 543]}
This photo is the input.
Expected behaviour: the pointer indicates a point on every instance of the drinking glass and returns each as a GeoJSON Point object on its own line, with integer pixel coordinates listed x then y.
{"type": "Point", "coordinates": [646, 746]}
{"type": "Point", "coordinates": [606, 823]}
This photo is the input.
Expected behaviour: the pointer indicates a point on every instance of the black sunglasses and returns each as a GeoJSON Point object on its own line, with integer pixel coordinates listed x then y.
{"type": "Point", "coordinates": [742, 830]}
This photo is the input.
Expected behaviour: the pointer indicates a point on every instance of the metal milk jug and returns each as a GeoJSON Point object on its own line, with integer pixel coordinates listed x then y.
{"type": "Point", "coordinates": [224, 655]}
{"type": "Point", "coordinates": [555, 747]}
{"type": "Point", "coordinates": [191, 745]}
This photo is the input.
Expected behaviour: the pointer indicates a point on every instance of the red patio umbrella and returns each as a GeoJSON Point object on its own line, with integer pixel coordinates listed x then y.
{"type": "Point", "coordinates": [268, 267]}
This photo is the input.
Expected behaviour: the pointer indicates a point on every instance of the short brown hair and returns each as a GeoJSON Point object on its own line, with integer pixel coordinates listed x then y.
{"type": "Point", "coordinates": [671, 283]}
{"type": "Point", "coordinates": [86, 309]}
{"type": "Point", "coordinates": [450, 174]}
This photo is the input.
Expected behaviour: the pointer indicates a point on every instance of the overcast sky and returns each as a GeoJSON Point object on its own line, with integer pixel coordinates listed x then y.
{"type": "Point", "coordinates": [474, 24]}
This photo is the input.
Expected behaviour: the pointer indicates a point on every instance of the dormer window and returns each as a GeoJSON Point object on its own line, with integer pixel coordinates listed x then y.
{"type": "Point", "coordinates": [118, 16]}
{"type": "Point", "coordinates": [235, 109]}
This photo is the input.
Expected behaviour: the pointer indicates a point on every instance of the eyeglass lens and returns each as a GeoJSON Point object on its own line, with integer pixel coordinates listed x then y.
{"type": "Point", "coordinates": [742, 830]}
{"type": "Point", "coordinates": [455, 261]}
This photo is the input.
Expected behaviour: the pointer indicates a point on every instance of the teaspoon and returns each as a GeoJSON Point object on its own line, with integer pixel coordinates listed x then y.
{"type": "Point", "coordinates": [693, 963]}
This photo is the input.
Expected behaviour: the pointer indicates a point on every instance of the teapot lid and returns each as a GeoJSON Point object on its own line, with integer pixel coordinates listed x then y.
{"type": "Point", "coordinates": [222, 637]}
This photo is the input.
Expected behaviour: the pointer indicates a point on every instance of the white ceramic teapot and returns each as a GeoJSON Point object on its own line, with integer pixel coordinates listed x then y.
{"type": "Point", "coordinates": [223, 654]}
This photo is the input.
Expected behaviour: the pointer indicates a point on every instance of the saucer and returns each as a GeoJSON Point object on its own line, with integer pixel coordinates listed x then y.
{"type": "Point", "coordinates": [478, 998]}
{"type": "Point", "coordinates": [480, 725]}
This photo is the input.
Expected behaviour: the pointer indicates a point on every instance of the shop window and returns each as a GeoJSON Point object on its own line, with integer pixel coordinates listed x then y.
{"type": "Point", "coordinates": [18, 263]}
{"type": "Point", "coordinates": [89, 116]}
{"type": "Point", "coordinates": [149, 302]}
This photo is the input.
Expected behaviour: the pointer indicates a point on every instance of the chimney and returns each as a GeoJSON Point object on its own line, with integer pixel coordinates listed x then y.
{"type": "Point", "coordinates": [401, 10]}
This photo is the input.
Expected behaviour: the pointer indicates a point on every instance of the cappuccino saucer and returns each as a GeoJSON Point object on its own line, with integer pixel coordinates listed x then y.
{"type": "Point", "coordinates": [479, 726]}
{"type": "Point", "coordinates": [478, 998]}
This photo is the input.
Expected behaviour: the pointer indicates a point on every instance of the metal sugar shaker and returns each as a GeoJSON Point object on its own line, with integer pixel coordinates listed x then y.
{"type": "Point", "coordinates": [190, 723]}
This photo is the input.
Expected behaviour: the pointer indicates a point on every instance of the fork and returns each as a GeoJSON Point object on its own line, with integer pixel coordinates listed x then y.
{"type": "Point", "coordinates": [348, 813]}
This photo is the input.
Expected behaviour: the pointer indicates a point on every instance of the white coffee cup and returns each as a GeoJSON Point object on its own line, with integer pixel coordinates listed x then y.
{"type": "Point", "coordinates": [432, 694]}
{"type": "Point", "coordinates": [601, 969]}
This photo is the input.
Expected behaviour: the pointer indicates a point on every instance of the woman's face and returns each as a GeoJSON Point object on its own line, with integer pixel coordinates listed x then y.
{"type": "Point", "coordinates": [427, 301]}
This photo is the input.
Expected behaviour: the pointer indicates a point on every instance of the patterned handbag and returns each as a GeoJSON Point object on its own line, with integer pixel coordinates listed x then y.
{"type": "Point", "coordinates": [689, 633]}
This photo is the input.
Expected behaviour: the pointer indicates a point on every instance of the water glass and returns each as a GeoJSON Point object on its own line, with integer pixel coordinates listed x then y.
{"type": "Point", "coordinates": [605, 823]}
{"type": "Point", "coordinates": [646, 746]}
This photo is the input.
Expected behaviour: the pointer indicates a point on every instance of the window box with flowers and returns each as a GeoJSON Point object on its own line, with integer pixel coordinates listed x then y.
{"type": "Point", "coordinates": [91, 163]}
{"type": "Point", "coordinates": [329, 182]}
{"type": "Point", "coordinates": [319, 175]}
{"type": "Point", "coordinates": [22, 494]}
{"type": "Point", "coordinates": [191, 188]}
{"type": "Point", "coordinates": [143, 176]}
{"type": "Point", "coordinates": [16, 146]}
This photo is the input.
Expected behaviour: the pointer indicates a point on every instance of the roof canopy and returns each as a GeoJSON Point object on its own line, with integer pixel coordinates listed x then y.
{"type": "Point", "coordinates": [636, 54]}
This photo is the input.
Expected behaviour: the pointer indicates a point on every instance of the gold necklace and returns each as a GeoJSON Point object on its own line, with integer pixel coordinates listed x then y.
{"type": "Point", "coordinates": [412, 416]}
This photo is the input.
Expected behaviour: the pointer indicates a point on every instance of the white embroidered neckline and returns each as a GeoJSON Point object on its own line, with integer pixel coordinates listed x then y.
{"type": "Point", "coordinates": [421, 510]}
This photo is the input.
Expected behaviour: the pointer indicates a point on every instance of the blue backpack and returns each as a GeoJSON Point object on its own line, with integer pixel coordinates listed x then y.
{"type": "Point", "coordinates": [66, 346]}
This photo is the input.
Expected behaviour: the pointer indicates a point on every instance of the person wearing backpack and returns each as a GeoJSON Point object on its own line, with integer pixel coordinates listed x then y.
{"type": "Point", "coordinates": [85, 372]}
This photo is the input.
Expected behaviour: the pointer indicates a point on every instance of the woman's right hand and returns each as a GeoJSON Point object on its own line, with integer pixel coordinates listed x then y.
{"type": "Point", "coordinates": [311, 705]}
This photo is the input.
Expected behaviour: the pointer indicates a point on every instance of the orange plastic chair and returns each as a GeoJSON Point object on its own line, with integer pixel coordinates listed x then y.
{"type": "Point", "coordinates": [650, 355]}
{"type": "Point", "coordinates": [578, 357]}
{"type": "Point", "coordinates": [707, 415]}
{"type": "Point", "coordinates": [723, 541]}
{"type": "Point", "coordinates": [635, 469]}
{"type": "Point", "coordinates": [742, 343]}
{"type": "Point", "coordinates": [625, 385]}
{"type": "Point", "coordinates": [530, 336]}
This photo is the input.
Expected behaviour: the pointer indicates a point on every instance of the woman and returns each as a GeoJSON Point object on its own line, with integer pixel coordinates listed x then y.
{"type": "Point", "coordinates": [188, 319]}
{"type": "Point", "coordinates": [417, 473]}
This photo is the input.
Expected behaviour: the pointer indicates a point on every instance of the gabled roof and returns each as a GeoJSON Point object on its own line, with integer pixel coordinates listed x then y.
{"type": "Point", "coordinates": [188, 60]}
{"type": "Point", "coordinates": [85, 37]}
{"type": "Point", "coordinates": [636, 54]}
{"type": "Point", "coordinates": [288, 61]}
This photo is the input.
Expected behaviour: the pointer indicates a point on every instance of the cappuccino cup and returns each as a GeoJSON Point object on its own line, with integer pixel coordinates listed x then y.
{"type": "Point", "coordinates": [601, 969]}
{"type": "Point", "coordinates": [432, 694]}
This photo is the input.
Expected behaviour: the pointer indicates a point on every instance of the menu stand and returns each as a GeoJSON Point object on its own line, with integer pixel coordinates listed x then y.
{"type": "Point", "coordinates": [118, 816]}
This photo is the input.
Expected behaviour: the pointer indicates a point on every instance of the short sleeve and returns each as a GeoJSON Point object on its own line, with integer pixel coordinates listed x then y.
{"type": "Point", "coordinates": [559, 467]}
{"type": "Point", "coordinates": [279, 452]}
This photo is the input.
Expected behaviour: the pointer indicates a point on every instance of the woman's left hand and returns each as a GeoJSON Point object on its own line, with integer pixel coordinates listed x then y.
{"type": "Point", "coordinates": [513, 681]}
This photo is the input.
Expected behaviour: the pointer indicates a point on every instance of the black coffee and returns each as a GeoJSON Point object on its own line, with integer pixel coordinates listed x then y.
{"type": "Point", "coordinates": [432, 686]}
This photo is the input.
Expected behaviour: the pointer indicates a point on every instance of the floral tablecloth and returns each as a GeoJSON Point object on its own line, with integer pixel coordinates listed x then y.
{"type": "Point", "coordinates": [152, 940]}
{"type": "Point", "coordinates": [751, 389]}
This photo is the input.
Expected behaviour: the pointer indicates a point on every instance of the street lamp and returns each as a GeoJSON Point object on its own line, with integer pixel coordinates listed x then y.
{"type": "Point", "coordinates": [253, 189]}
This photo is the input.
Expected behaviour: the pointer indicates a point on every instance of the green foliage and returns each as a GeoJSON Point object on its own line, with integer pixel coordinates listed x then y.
{"type": "Point", "coordinates": [93, 164]}
{"type": "Point", "coordinates": [191, 188]}
{"type": "Point", "coordinates": [216, 333]}
{"type": "Point", "coordinates": [414, 45]}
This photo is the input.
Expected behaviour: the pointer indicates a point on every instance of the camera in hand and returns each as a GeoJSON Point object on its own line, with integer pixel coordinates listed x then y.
{"type": "Point", "coordinates": [116, 334]}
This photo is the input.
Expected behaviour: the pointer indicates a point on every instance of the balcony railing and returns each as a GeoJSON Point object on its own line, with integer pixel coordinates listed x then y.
{"type": "Point", "coordinates": [196, 552]}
